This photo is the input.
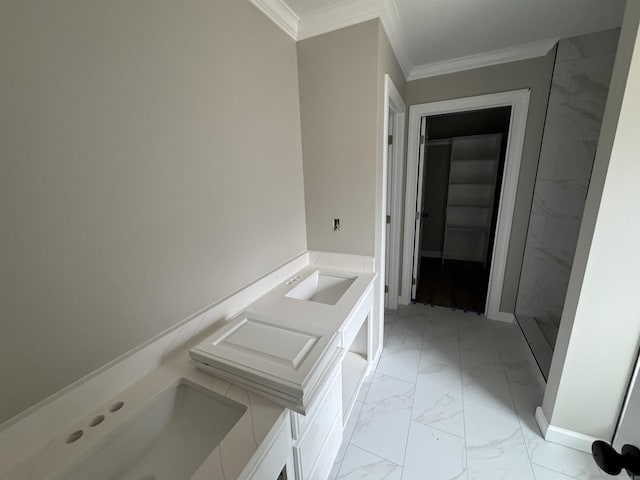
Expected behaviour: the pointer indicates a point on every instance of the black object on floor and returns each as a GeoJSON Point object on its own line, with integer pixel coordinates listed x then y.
{"type": "Point", "coordinates": [456, 284]}
{"type": "Point", "coordinates": [612, 462]}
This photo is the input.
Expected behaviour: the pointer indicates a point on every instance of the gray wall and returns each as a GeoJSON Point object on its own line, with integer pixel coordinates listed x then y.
{"type": "Point", "coordinates": [150, 164]}
{"type": "Point", "coordinates": [341, 76]}
{"type": "Point", "coordinates": [337, 73]}
{"type": "Point", "coordinates": [341, 87]}
{"type": "Point", "coordinates": [576, 104]}
{"type": "Point", "coordinates": [534, 74]}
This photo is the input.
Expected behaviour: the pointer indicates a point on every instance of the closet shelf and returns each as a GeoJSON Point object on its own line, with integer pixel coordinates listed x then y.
{"type": "Point", "coordinates": [470, 228]}
{"type": "Point", "coordinates": [468, 205]}
{"type": "Point", "coordinates": [472, 184]}
{"type": "Point", "coordinates": [473, 172]}
{"type": "Point", "coordinates": [488, 160]}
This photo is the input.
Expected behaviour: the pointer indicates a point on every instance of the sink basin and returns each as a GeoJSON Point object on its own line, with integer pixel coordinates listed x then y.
{"type": "Point", "coordinates": [322, 288]}
{"type": "Point", "coordinates": [167, 440]}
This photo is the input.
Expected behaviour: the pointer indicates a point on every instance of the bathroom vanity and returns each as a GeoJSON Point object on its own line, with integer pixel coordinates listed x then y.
{"type": "Point", "coordinates": [304, 345]}
{"type": "Point", "coordinates": [261, 383]}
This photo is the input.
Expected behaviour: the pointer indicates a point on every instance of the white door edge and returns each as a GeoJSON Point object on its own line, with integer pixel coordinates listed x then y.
{"type": "Point", "coordinates": [393, 102]}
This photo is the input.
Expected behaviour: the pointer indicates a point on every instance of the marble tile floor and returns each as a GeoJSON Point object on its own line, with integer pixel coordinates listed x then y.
{"type": "Point", "coordinates": [452, 397]}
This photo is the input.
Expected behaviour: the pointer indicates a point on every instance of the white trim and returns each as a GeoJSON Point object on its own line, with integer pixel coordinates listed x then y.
{"type": "Point", "coordinates": [518, 100]}
{"type": "Point", "coordinates": [486, 59]}
{"type": "Point", "coordinates": [375, 358]}
{"type": "Point", "coordinates": [281, 14]}
{"type": "Point", "coordinates": [502, 317]}
{"type": "Point", "coordinates": [392, 101]}
{"type": "Point", "coordinates": [417, 187]}
{"type": "Point", "coordinates": [541, 420]}
{"type": "Point", "coordinates": [390, 20]}
{"type": "Point", "coordinates": [353, 12]}
{"type": "Point", "coordinates": [410, 203]}
{"type": "Point", "coordinates": [350, 13]}
{"type": "Point", "coordinates": [617, 440]}
{"type": "Point", "coordinates": [338, 16]}
{"type": "Point", "coordinates": [563, 436]}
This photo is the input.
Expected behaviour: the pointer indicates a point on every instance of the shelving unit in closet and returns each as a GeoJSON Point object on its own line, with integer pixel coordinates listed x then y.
{"type": "Point", "coordinates": [471, 195]}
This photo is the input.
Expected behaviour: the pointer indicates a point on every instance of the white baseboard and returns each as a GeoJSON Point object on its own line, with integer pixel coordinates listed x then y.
{"type": "Point", "coordinates": [502, 317]}
{"type": "Point", "coordinates": [542, 422]}
{"type": "Point", "coordinates": [403, 301]}
{"type": "Point", "coordinates": [563, 436]}
{"type": "Point", "coordinates": [375, 358]}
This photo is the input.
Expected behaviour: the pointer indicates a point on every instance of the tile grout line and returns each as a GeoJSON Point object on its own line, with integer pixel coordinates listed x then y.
{"type": "Point", "coordinates": [368, 386]}
{"type": "Point", "coordinates": [460, 383]}
{"type": "Point", "coordinates": [347, 442]}
{"type": "Point", "coordinates": [438, 429]}
{"type": "Point", "coordinates": [464, 419]}
{"type": "Point", "coordinates": [413, 399]}
{"type": "Point", "coordinates": [504, 369]}
{"type": "Point", "coordinates": [375, 455]}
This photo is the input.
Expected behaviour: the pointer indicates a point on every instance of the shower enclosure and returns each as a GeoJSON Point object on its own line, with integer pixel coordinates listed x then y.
{"type": "Point", "coordinates": [577, 98]}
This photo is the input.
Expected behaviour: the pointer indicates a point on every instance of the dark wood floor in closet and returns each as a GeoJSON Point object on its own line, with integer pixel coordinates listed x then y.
{"type": "Point", "coordinates": [456, 284]}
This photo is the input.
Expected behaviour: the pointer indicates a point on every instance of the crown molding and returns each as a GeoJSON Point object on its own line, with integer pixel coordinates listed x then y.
{"type": "Point", "coordinates": [357, 11]}
{"type": "Point", "coordinates": [338, 16]}
{"type": "Point", "coordinates": [390, 20]}
{"type": "Point", "coordinates": [486, 59]}
{"type": "Point", "coordinates": [280, 14]}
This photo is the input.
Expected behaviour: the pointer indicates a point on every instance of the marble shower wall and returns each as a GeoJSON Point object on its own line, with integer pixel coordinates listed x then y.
{"type": "Point", "coordinates": [576, 104]}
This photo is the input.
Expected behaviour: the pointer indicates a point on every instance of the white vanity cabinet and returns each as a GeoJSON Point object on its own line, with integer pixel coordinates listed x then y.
{"type": "Point", "coordinates": [307, 346]}
{"type": "Point", "coordinates": [317, 436]}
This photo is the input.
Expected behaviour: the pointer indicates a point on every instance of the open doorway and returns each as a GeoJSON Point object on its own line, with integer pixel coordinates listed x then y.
{"type": "Point", "coordinates": [464, 155]}
{"type": "Point", "coordinates": [504, 192]}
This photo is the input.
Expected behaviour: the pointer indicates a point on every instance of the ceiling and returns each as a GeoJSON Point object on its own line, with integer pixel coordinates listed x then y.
{"type": "Point", "coordinates": [435, 31]}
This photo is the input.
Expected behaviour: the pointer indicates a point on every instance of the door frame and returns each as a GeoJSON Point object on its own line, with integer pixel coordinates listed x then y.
{"type": "Point", "coordinates": [518, 100]}
{"type": "Point", "coordinates": [417, 240]}
{"type": "Point", "coordinates": [393, 102]}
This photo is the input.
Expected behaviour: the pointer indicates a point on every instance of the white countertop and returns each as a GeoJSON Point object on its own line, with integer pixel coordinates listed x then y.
{"type": "Point", "coordinates": [276, 304]}
{"type": "Point", "coordinates": [286, 344]}
{"type": "Point", "coordinates": [226, 462]}
{"type": "Point", "coordinates": [245, 439]}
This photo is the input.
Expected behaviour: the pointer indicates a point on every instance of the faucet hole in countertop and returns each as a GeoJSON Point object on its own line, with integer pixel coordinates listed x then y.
{"type": "Point", "coordinates": [96, 421]}
{"type": "Point", "coordinates": [75, 436]}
